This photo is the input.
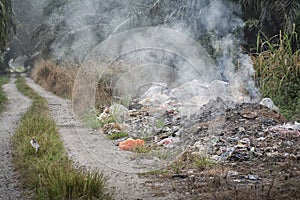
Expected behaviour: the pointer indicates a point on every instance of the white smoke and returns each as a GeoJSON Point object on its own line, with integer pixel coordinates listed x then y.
{"type": "Point", "coordinates": [75, 28]}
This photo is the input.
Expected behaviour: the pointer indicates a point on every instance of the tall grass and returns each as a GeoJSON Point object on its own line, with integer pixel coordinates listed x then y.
{"type": "Point", "coordinates": [49, 173]}
{"type": "Point", "coordinates": [3, 98]}
{"type": "Point", "coordinates": [60, 79]}
{"type": "Point", "coordinates": [278, 73]}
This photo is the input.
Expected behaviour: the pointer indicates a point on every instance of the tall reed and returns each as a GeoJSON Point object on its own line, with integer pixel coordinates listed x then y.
{"type": "Point", "coordinates": [277, 68]}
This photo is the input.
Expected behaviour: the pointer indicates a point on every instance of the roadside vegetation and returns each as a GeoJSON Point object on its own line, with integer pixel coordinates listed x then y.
{"type": "Point", "coordinates": [5, 28]}
{"type": "Point", "coordinates": [278, 72]}
{"type": "Point", "coordinates": [49, 173]}
{"type": "Point", "coordinates": [3, 99]}
{"type": "Point", "coordinates": [60, 78]}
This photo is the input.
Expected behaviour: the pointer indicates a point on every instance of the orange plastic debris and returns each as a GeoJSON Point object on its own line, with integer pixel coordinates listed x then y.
{"type": "Point", "coordinates": [130, 144]}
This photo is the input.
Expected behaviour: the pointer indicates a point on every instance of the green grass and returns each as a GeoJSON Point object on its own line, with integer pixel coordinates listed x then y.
{"type": "Point", "coordinates": [90, 120]}
{"type": "Point", "coordinates": [155, 172]}
{"type": "Point", "coordinates": [278, 73]}
{"type": "Point", "coordinates": [49, 173]}
{"type": "Point", "coordinates": [203, 162]}
{"type": "Point", "coordinates": [3, 98]}
{"type": "Point", "coordinates": [142, 149]}
{"type": "Point", "coordinates": [118, 135]}
{"type": "Point", "coordinates": [160, 123]}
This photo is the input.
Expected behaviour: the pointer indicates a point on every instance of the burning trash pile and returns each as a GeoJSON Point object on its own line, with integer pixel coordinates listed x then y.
{"type": "Point", "coordinates": [206, 120]}
{"type": "Point", "coordinates": [245, 132]}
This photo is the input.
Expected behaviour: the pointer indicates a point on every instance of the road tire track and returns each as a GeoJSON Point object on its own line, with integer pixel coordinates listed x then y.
{"type": "Point", "coordinates": [89, 148]}
{"type": "Point", "coordinates": [17, 105]}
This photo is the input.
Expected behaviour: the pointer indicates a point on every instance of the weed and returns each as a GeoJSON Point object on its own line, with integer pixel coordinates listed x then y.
{"type": "Point", "coordinates": [118, 113]}
{"type": "Point", "coordinates": [177, 166]}
{"type": "Point", "coordinates": [155, 172]}
{"type": "Point", "coordinates": [90, 120]}
{"type": "Point", "coordinates": [49, 172]}
{"type": "Point", "coordinates": [142, 149]}
{"type": "Point", "coordinates": [118, 135]}
{"type": "Point", "coordinates": [163, 154]}
{"type": "Point", "coordinates": [58, 79]}
{"type": "Point", "coordinates": [160, 124]}
{"type": "Point", "coordinates": [278, 73]}
{"type": "Point", "coordinates": [202, 162]}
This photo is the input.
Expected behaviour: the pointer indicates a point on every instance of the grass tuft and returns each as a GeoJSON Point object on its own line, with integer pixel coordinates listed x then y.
{"type": "Point", "coordinates": [49, 173]}
{"type": "Point", "coordinates": [3, 98]}
{"type": "Point", "coordinates": [203, 162]}
{"type": "Point", "coordinates": [118, 135]}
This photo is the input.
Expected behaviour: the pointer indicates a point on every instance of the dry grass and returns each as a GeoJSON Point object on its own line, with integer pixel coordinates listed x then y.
{"type": "Point", "coordinates": [58, 79]}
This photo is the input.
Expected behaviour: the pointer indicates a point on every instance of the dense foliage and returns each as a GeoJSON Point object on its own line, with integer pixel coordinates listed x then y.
{"type": "Point", "coordinates": [5, 25]}
{"type": "Point", "coordinates": [5, 22]}
{"type": "Point", "coordinates": [272, 34]}
{"type": "Point", "coordinates": [268, 18]}
{"type": "Point", "coordinates": [278, 74]}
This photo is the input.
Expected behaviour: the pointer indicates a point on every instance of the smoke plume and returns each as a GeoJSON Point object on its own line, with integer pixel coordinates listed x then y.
{"type": "Point", "coordinates": [78, 28]}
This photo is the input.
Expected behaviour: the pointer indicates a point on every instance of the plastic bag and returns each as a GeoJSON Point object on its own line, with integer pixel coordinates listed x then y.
{"type": "Point", "coordinates": [130, 144]}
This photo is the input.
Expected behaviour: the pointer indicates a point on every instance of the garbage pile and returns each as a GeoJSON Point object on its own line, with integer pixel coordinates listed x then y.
{"type": "Point", "coordinates": [218, 127]}
{"type": "Point", "coordinates": [246, 132]}
{"type": "Point", "coordinates": [187, 97]}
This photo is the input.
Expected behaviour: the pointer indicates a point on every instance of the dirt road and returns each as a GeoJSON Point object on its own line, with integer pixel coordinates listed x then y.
{"type": "Point", "coordinates": [89, 148]}
{"type": "Point", "coordinates": [86, 147]}
{"type": "Point", "coordinates": [9, 119]}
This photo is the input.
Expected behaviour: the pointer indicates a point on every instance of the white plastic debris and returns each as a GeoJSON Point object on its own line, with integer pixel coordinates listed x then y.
{"type": "Point", "coordinates": [269, 103]}
{"type": "Point", "coordinates": [119, 112]}
{"type": "Point", "coordinates": [297, 126]}
{"type": "Point", "coordinates": [104, 115]}
{"type": "Point", "coordinates": [251, 177]}
{"type": "Point", "coordinates": [157, 88]}
{"type": "Point", "coordinates": [167, 142]}
{"type": "Point", "coordinates": [290, 126]}
{"type": "Point", "coordinates": [34, 144]}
